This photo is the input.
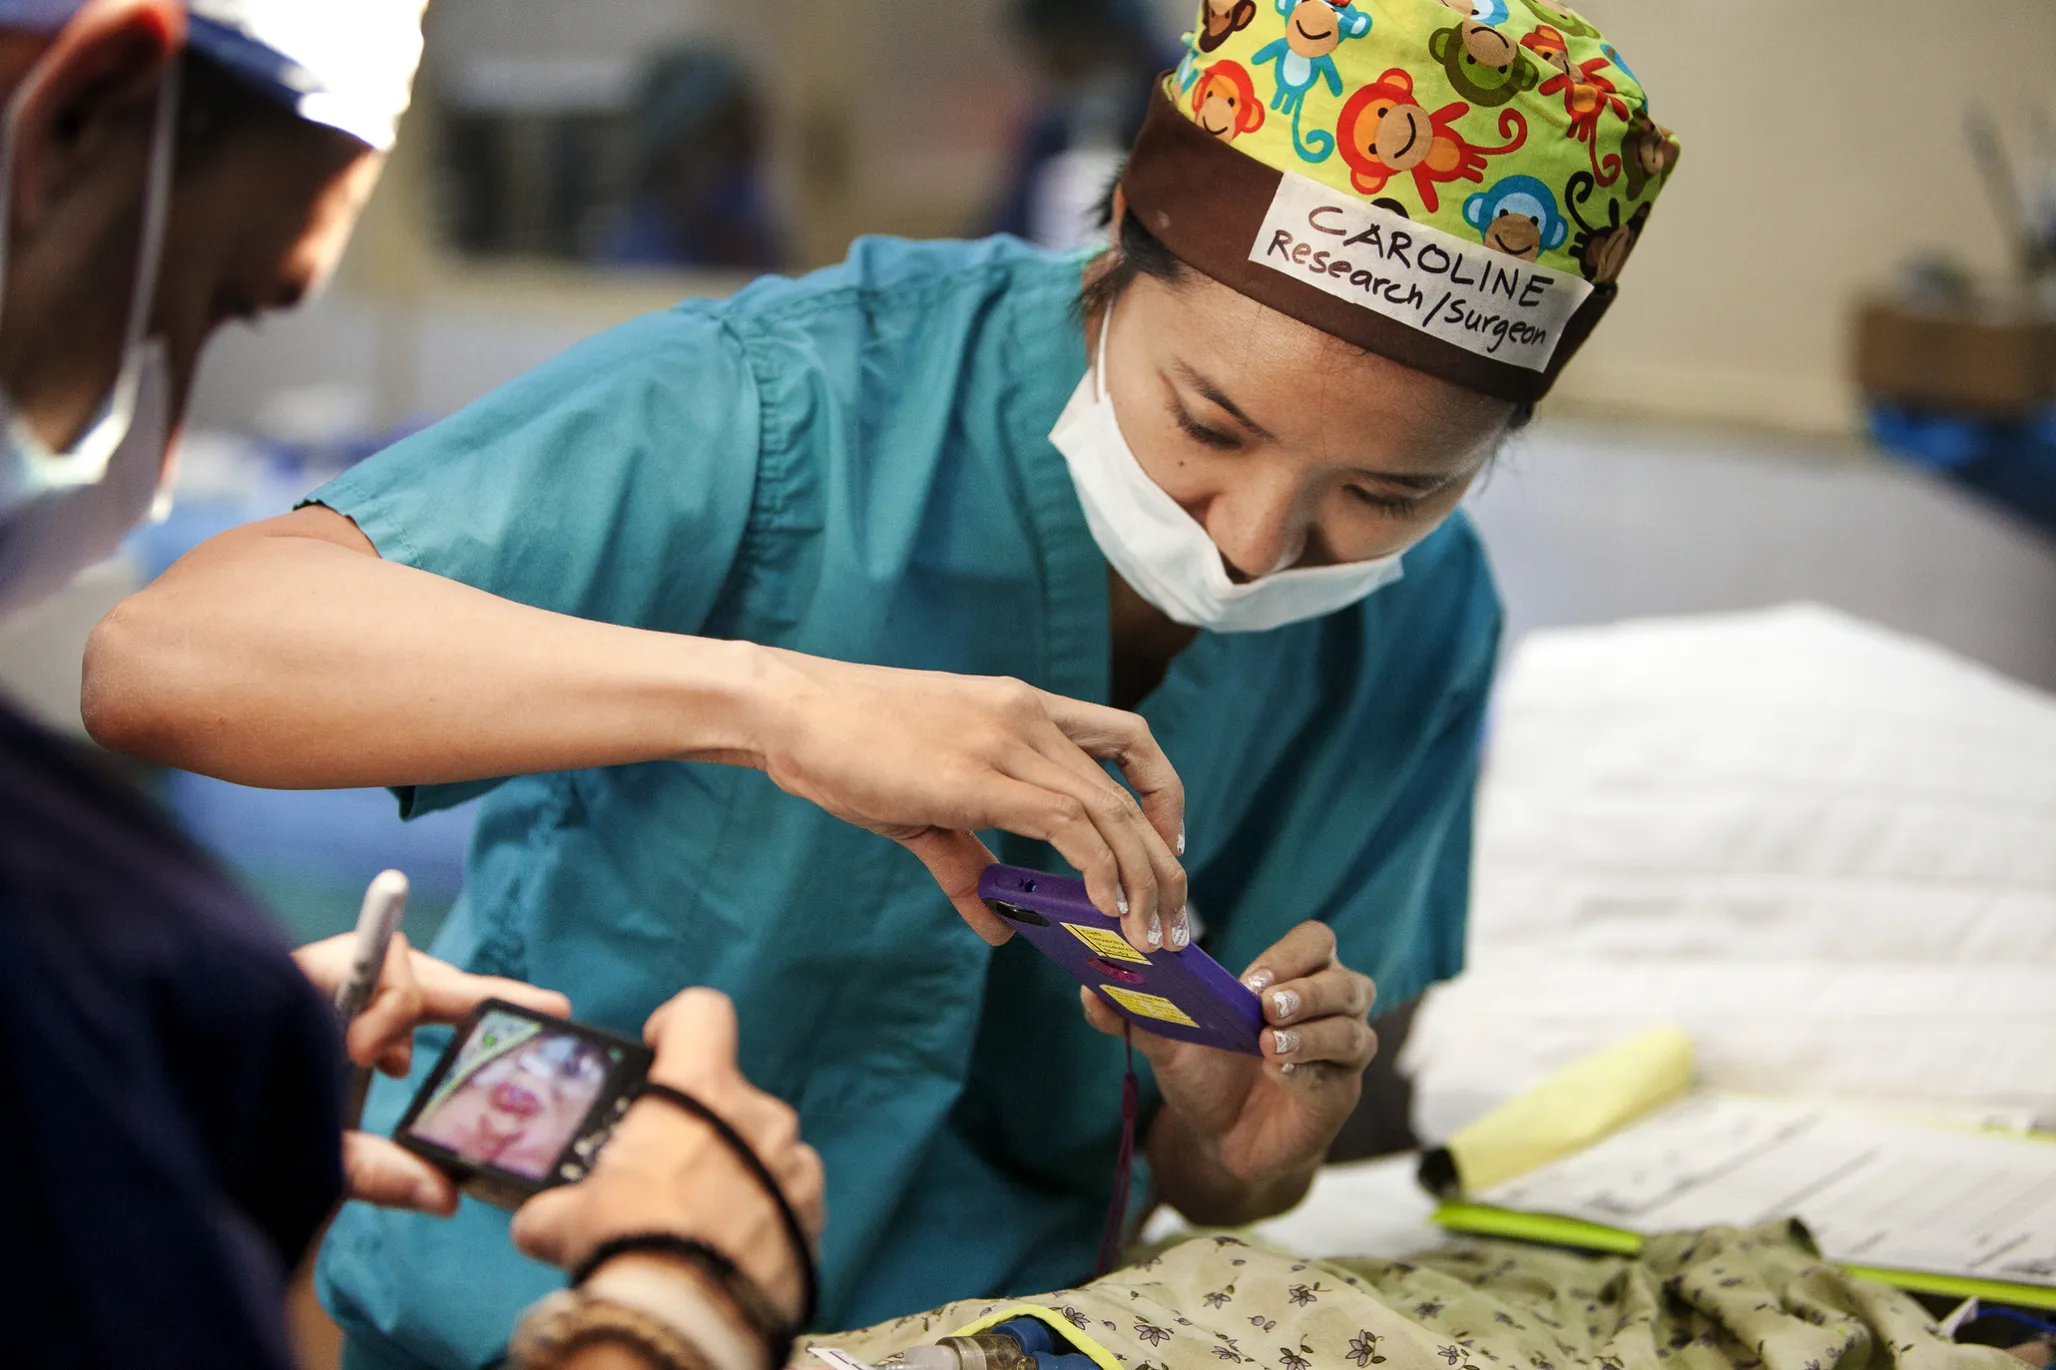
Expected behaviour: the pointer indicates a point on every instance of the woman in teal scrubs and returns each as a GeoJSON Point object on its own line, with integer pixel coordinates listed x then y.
{"type": "Point", "coordinates": [905, 465]}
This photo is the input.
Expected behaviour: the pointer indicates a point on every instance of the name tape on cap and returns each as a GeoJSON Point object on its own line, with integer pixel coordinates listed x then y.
{"type": "Point", "coordinates": [1487, 302]}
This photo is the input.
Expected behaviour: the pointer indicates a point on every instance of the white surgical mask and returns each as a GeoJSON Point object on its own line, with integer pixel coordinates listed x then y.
{"type": "Point", "coordinates": [62, 511]}
{"type": "Point", "coordinates": [1164, 553]}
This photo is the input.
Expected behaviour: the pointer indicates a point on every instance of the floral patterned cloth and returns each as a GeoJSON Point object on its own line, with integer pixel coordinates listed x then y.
{"type": "Point", "coordinates": [1721, 1299]}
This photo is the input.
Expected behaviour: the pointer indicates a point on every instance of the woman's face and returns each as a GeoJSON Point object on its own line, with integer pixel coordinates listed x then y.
{"type": "Point", "coordinates": [1289, 446]}
{"type": "Point", "coordinates": [517, 1112]}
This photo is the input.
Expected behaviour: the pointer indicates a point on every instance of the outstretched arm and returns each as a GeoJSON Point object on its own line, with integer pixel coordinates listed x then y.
{"type": "Point", "coordinates": [288, 654]}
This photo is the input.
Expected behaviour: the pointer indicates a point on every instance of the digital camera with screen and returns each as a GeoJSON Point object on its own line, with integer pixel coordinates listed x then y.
{"type": "Point", "coordinates": [521, 1101]}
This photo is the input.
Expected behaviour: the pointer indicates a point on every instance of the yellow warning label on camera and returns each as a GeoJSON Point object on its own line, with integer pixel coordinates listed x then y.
{"type": "Point", "coordinates": [1148, 1005]}
{"type": "Point", "coordinates": [1108, 943]}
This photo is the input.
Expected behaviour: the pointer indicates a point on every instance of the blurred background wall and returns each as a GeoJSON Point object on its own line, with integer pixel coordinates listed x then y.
{"type": "Point", "coordinates": [1824, 148]}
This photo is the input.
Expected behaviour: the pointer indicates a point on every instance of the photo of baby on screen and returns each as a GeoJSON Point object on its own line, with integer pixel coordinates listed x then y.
{"type": "Point", "coordinates": [515, 1096]}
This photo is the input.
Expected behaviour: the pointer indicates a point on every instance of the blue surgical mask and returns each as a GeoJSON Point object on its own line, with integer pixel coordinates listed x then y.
{"type": "Point", "coordinates": [62, 511]}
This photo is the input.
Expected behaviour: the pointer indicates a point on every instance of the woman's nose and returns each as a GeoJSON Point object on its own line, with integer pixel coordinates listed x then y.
{"type": "Point", "coordinates": [1258, 531]}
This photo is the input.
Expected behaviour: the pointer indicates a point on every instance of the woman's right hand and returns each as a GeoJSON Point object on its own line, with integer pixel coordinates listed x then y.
{"type": "Point", "coordinates": [927, 759]}
{"type": "Point", "coordinates": [664, 1170]}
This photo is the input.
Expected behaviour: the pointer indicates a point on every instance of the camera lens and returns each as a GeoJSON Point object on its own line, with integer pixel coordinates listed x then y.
{"type": "Point", "coordinates": [1014, 913]}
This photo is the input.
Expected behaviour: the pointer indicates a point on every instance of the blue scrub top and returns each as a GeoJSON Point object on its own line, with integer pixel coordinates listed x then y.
{"type": "Point", "coordinates": [856, 464]}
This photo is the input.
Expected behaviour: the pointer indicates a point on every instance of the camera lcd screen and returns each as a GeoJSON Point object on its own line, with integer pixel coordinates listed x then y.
{"type": "Point", "coordinates": [516, 1094]}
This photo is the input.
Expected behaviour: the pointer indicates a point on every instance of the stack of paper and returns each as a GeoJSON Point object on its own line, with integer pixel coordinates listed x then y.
{"type": "Point", "coordinates": [1923, 1205]}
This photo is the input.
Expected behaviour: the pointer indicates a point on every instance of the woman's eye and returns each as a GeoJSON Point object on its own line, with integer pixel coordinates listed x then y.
{"type": "Point", "coordinates": [1386, 504]}
{"type": "Point", "coordinates": [1200, 433]}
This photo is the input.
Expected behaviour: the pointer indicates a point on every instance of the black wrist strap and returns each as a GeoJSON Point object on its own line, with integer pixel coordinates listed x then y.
{"type": "Point", "coordinates": [802, 1249]}
{"type": "Point", "coordinates": [743, 1292]}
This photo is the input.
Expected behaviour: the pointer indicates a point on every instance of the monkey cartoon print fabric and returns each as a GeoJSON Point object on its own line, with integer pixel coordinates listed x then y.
{"type": "Point", "coordinates": [1453, 183]}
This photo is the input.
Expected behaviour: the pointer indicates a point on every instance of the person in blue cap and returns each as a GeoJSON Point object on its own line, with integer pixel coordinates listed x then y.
{"type": "Point", "coordinates": [697, 196]}
{"type": "Point", "coordinates": [173, 1077]}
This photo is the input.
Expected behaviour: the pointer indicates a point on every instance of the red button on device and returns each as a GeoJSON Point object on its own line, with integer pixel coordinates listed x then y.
{"type": "Point", "coordinates": [1114, 972]}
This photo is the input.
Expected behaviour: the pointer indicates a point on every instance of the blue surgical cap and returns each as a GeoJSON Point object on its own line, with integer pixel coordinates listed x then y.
{"type": "Point", "coordinates": [348, 64]}
{"type": "Point", "coordinates": [36, 14]}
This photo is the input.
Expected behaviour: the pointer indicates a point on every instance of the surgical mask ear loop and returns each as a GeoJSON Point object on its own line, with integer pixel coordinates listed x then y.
{"type": "Point", "coordinates": [1099, 365]}
{"type": "Point", "coordinates": [87, 462]}
{"type": "Point", "coordinates": [9, 125]}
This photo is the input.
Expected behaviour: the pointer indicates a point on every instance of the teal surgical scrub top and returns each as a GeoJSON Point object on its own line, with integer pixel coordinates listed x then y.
{"type": "Point", "coordinates": [856, 464]}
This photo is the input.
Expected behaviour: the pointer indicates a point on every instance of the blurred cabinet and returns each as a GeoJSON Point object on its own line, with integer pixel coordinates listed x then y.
{"type": "Point", "coordinates": [1974, 356]}
{"type": "Point", "coordinates": [866, 116]}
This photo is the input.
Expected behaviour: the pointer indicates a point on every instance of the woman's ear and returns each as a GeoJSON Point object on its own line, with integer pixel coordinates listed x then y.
{"type": "Point", "coordinates": [102, 69]}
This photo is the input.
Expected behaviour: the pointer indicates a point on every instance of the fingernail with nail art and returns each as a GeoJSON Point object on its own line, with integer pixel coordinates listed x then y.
{"type": "Point", "coordinates": [1181, 933]}
{"type": "Point", "coordinates": [1156, 930]}
{"type": "Point", "coordinates": [1121, 903]}
{"type": "Point", "coordinates": [1286, 1003]}
{"type": "Point", "coordinates": [1287, 1068]}
{"type": "Point", "coordinates": [1284, 1041]}
{"type": "Point", "coordinates": [1181, 839]}
{"type": "Point", "coordinates": [1257, 981]}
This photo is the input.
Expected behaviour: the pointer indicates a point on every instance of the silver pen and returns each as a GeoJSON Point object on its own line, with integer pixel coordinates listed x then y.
{"type": "Point", "coordinates": [384, 901]}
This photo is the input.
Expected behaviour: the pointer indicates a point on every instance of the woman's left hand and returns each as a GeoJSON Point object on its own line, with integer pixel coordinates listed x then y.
{"type": "Point", "coordinates": [414, 990]}
{"type": "Point", "coordinates": [1264, 1125]}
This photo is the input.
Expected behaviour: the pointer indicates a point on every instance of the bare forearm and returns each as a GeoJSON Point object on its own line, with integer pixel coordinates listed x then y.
{"type": "Point", "coordinates": [298, 661]}
{"type": "Point", "coordinates": [1191, 1178]}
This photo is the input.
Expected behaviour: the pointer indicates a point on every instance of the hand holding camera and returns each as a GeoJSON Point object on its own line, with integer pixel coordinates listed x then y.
{"type": "Point", "coordinates": [667, 1170]}
{"type": "Point", "coordinates": [413, 990]}
{"type": "Point", "coordinates": [669, 1186]}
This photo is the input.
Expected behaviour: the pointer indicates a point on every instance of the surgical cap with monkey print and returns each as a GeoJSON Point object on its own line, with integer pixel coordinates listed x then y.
{"type": "Point", "coordinates": [1453, 185]}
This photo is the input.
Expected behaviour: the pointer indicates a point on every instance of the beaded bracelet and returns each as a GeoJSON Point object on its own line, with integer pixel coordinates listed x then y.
{"type": "Point", "coordinates": [564, 1322]}
{"type": "Point", "coordinates": [742, 1292]}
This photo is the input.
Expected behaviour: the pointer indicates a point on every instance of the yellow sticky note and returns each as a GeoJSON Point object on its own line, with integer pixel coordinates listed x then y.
{"type": "Point", "coordinates": [1148, 1005]}
{"type": "Point", "coordinates": [1574, 1108]}
{"type": "Point", "coordinates": [1107, 943]}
